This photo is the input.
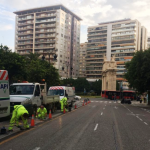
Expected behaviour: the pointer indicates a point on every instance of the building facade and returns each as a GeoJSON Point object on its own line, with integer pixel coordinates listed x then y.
{"type": "Point", "coordinates": [143, 38]}
{"type": "Point", "coordinates": [148, 42]}
{"type": "Point", "coordinates": [48, 31]}
{"type": "Point", "coordinates": [121, 38]}
{"type": "Point", "coordinates": [82, 61]}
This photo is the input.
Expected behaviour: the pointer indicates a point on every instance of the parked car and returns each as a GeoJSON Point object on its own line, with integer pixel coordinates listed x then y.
{"type": "Point", "coordinates": [77, 97]}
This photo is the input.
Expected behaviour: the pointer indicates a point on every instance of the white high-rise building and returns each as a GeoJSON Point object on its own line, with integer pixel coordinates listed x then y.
{"type": "Point", "coordinates": [47, 31]}
{"type": "Point", "coordinates": [121, 38]}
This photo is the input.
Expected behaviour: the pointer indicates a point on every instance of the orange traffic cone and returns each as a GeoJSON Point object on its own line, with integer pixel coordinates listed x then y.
{"type": "Point", "coordinates": [75, 107]}
{"type": "Point", "coordinates": [50, 115]}
{"type": "Point", "coordinates": [64, 111]}
{"type": "Point", "coordinates": [32, 121]}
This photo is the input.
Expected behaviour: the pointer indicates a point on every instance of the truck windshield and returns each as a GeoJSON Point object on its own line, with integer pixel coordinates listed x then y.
{"type": "Point", "coordinates": [21, 89]}
{"type": "Point", "coordinates": [56, 92]}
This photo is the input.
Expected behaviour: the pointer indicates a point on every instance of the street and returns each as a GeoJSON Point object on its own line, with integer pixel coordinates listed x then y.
{"type": "Point", "coordinates": [101, 125]}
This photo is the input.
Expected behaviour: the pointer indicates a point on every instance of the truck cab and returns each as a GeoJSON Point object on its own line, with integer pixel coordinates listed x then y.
{"type": "Point", "coordinates": [27, 94]}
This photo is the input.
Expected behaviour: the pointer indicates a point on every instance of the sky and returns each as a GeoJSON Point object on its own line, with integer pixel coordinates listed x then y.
{"type": "Point", "coordinates": [92, 12]}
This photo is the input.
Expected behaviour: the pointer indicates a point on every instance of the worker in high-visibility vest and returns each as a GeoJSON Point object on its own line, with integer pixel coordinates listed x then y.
{"type": "Point", "coordinates": [63, 103]}
{"type": "Point", "coordinates": [41, 112]}
{"type": "Point", "coordinates": [19, 111]}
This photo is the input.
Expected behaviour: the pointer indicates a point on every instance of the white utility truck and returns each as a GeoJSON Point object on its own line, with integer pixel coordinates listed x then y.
{"type": "Point", "coordinates": [62, 91]}
{"type": "Point", "coordinates": [32, 95]}
{"type": "Point", "coordinates": [4, 94]}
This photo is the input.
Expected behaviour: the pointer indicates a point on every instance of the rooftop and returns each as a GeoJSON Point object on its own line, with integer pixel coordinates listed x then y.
{"type": "Point", "coordinates": [52, 7]}
{"type": "Point", "coordinates": [114, 21]}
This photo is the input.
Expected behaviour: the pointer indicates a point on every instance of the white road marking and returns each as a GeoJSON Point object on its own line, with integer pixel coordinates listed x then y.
{"type": "Point", "coordinates": [96, 127]}
{"type": "Point", "coordinates": [105, 105]}
{"type": "Point", "coordinates": [37, 148]}
{"type": "Point", "coordinates": [101, 113]}
{"type": "Point", "coordinates": [114, 102]}
{"type": "Point", "coordinates": [100, 101]}
{"type": "Point", "coordinates": [103, 108]}
{"type": "Point", "coordinates": [109, 102]}
{"type": "Point", "coordinates": [92, 101]}
{"type": "Point", "coordinates": [145, 123]}
{"type": "Point", "coordinates": [116, 107]}
{"type": "Point", "coordinates": [140, 119]}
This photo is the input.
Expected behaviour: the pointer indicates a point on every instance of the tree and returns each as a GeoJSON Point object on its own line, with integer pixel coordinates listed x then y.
{"type": "Point", "coordinates": [138, 71]}
{"type": "Point", "coordinates": [80, 84]}
{"type": "Point", "coordinates": [13, 63]}
{"type": "Point", "coordinates": [97, 86]}
{"type": "Point", "coordinates": [29, 67]}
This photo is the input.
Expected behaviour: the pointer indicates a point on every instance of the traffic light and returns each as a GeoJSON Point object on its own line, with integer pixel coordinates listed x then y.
{"type": "Point", "coordinates": [55, 57]}
{"type": "Point", "coordinates": [43, 57]}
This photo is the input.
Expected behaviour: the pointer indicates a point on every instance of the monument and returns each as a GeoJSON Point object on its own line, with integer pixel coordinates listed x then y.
{"type": "Point", "coordinates": [109, 74]}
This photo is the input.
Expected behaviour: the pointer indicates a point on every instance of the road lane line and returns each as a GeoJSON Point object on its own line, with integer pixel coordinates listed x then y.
{"type": "Point", "coordinates": [145, 123]}
{"type": "Point", "coordinates": [96, 127]}
{"type": "Point", "coordinates": [37, 148]}
{"type": "Point", "coordinates": [101, 113]}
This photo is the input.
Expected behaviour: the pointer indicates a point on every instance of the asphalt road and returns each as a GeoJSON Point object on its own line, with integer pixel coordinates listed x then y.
{"type": "Point", "coordinates": [101, 125]}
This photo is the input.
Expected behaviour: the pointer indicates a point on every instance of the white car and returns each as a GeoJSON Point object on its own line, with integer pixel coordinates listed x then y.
{"type": "Point", "coordinates": [77, 97]}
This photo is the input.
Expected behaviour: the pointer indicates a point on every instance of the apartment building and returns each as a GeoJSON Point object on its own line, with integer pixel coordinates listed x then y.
{"type": "Point", "coordinates": [47, 31]}
{"type": "Point", "coordinates": [121, 38]}
{"type": "Point", "coordinates": [148, 42]}
{"type": "Point", "coordinates": [82, 61]}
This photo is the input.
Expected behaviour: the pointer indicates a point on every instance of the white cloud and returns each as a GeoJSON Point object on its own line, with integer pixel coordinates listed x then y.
{"type": "Point", "coordinates": [6, 27]}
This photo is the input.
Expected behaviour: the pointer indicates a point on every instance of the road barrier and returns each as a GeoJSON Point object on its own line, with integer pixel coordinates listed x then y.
{"type": "Point", "coordinates": [75, 106]}
{"type": "Point", "coordinates": [50, 115]}
{"type": "Point", "coordinates": [32, 121]}
{"type": "Point", "coordinates": [64, 111]}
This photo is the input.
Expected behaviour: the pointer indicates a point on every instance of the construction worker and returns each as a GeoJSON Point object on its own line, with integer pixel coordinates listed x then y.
{"type": "Point", "coordinates": [19, 111]}
{"type": "Point", "coordinates": [63, 103]}
{"type": "Point", "coordinates": [41, 112]}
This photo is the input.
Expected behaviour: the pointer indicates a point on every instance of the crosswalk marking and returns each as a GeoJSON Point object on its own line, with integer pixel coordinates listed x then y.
{"type": "Point", "coordinates": [106, 102]}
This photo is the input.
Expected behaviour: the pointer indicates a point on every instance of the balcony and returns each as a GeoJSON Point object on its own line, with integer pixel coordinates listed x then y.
{"type": "Point", "coordinates": [45, 21]}
{"type": "Point", "coordinates": [25, 43]}
{"type": "Point", "coordinates": [23, 29]}
{"type": "Point", "coordinates": [25, 33]}
{"type": "Point", "coordinates": [23, 39]}
{"type": "Point", "coordinates": [44, 47]}
{"type": "Point", "coordinates": [52, 41]}
{"type": "Point", "coordinates": [23, 48]}
{"type": "Point", "coordinates": [24, 24]}
{"type": "Point", "coordinates": [46, 16]}
{"type": "Point", "coordinates": [38, 37]}
{"type": "Point", "coordinates": [46, 26]}
{"type": "Point", "coordinates": [46, 31]}
{"type": "Point", "coordinates": [26, 18]}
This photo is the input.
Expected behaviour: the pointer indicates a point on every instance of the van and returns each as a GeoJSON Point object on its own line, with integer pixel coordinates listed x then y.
{"type": "Point", "coordinates": [62, 91]}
